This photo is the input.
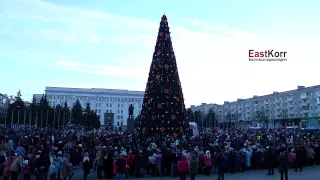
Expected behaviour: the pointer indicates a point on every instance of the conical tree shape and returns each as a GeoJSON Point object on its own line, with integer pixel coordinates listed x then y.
{"type": "Point", "coordinates": [163, 110]}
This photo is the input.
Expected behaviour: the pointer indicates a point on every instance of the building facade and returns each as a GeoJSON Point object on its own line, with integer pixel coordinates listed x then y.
{"type": "Point", "coordinates": [102, 101]}
{"type": "Point", "coordinates": [298, 107]}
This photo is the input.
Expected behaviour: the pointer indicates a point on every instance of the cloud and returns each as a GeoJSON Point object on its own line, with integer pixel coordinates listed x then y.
{"type": "Point", "coordinates": [118, 71]}
{"type": "Point", "coordinates": [212, 59]}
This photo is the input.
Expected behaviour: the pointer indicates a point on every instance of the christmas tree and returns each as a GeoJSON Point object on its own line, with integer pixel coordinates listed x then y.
{"type": "Point", "coordinates": [163, 110]}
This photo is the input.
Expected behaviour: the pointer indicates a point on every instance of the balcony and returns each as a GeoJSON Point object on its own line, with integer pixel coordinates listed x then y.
{"type": "Point", "coordinates": [303, 96]}
{"type": "Point", "coordinates": [289, 99]}
{"type": "Point", "coordinates": [304, 104]}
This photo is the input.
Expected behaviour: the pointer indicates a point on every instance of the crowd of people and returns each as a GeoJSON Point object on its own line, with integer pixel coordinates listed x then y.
{"type": "Point", "coordinates": [59, 154]}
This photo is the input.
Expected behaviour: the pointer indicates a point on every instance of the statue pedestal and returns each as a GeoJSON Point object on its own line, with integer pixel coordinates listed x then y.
{"type": "Point", "coordinates": [130, 125]}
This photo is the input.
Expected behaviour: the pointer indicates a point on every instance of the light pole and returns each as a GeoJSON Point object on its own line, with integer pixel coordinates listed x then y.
{"type": "Point", "coordinates": [12, 116]}
{"type": "Point", "coordinates": [54, 117]}
{"type": "Point", "coordinates": [5, 101]}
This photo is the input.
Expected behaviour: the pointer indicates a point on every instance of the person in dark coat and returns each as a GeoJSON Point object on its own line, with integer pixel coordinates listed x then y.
{"type": "Point", "coordinates": [43, 164]}
{"type": "Point", "coordinates": [271, 158]}
{"type": "Point", "coordinates": [220, 164]}
{"type": "Point", "coordinates": [299, 159]}
{"type": "Point", "coordinates": [109, 166]}
{"type": "Point", "coordinates": [283, 165]}
{"type": "Point", "coordinates": [121, 166]}
{"type": "Point", "coordinates": [138, 165]}
{"type": "Point", "coordinates": [86, 166]}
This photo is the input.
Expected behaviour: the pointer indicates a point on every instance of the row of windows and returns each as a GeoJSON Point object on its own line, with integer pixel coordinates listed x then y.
{"type": "Point", "coordinates": [90, 98]}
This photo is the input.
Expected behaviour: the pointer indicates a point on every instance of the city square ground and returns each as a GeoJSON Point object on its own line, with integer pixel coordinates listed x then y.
{"type": "Point", "coordinates": [309, 173]}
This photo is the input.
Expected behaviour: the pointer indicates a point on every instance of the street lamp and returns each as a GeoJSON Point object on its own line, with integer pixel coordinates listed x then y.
{"type": "Point", "coordinates": [12, 116]}
{"type": "Point", "coordinates": [6, 103]}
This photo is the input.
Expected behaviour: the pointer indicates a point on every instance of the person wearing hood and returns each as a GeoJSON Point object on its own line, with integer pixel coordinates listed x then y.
{"type": "Point", "coordinates": [86, 166]}
{"type": "Point", "coordinates": [153, 164]}
{"type": "Point", "coordinates": [207, 163]}
{"type": "Point", "coordinates": [183, 167]}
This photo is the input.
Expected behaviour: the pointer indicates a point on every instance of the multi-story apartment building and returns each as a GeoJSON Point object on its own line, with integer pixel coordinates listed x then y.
{"type": "Point", "coordinates": [299, 107]}
{"type": "Point", "coordinates": [103, 101]}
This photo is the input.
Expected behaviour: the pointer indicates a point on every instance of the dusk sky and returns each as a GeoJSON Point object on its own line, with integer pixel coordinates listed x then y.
{"type": "Point", "coordinates": [110, 43]}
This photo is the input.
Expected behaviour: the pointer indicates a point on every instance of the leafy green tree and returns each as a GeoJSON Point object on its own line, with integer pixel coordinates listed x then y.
{"type": "Point", "coordinates": [90, 117]}
{"type": "Point", "coordinates": [76, 113]}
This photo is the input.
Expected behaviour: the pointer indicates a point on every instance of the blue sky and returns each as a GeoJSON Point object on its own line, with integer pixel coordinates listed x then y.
{"type": "Point", "coordinates": [109, 44]}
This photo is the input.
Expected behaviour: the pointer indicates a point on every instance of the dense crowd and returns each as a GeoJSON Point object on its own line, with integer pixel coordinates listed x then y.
{"type": "Point", "coordinates": [54, 154]}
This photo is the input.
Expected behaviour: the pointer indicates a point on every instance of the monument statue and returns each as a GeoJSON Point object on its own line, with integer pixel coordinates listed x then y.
{"type": "Point", "coordinates": [130, 120]}
{"type": "Point", "coordinates": [131, 108]}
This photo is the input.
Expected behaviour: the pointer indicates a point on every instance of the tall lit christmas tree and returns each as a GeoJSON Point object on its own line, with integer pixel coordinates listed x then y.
{"type": "Point", "coordinates": [163, 110]}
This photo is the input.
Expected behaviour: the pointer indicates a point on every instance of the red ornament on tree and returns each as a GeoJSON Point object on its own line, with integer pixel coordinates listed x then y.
{"type": "Point", "coordinates": [167, 36]}
{"type": "Point", "coordinates": [162, 129]}
{"type": "Point", "coordinates": [158, 53]}
{"type": "Point", "coordinates": [175, 135]}
{"type": "Point", "coordinates": [166, 66]}
{"type": "Point", "coordinates": [159, 106]}
{"type": "Point", "coordinates": [158, 76]}
{"type": "Point", "coordinates": [153, 117]}
{"type": "Point", "coordinates": [161, 34]}
{"type": "Point", "coordinates": [166, 91]}
{"type": "Point", "coordinates": [154, 66]}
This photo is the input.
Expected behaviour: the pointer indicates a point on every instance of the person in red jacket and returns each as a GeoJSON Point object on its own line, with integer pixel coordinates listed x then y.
{"type": "Point", "coordinates": [183, 167]}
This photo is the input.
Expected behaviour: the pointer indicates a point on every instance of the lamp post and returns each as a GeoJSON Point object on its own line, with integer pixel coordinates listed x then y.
{"type": "Point", "coordinates": [5, 101]}
{"type": "Point", "coordinates": [12, 116]}
{"type": "Point", "coordinates": [54, 117]}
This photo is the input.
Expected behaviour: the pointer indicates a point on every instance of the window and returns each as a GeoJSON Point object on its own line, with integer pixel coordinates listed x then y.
{"type": "Point", "coordinates": [121, 105]}
{"type": "Point", "coordinates": [118, 123]}
{"type": "Point", "coordinates": [110, 105]}
{"type": "Point", "coordinates": [99, 104]}
{"type": "Point", "coordinates": [121, 123]}
{"type": "Point", "coordinates": [54, 97]}
{"type": "Point", "coordinates": [62, 97]}
{"type": "Point", "coordinates": [121, 111]}
{"type": "Point", "coordinates": [107, 110]}
{"type": "Point", "coordinates": [121, 117]}
{"type": "Point", "coordinates": [118, 111]}
{"type": "Point", "coordinates": [118, 105]}
{"type": "Point", "coordinates": [110, 110]}
{"type": "Point", "coordinates": [107, 105]}
{"type": "Point", "coordinates": [95, 110]}
{"type": "Point", "coordinates": [99, 110]}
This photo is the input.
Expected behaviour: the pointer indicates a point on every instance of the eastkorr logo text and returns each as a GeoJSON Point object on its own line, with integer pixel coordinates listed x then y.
{"type": "Point", "coordinates": [267, 55]}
